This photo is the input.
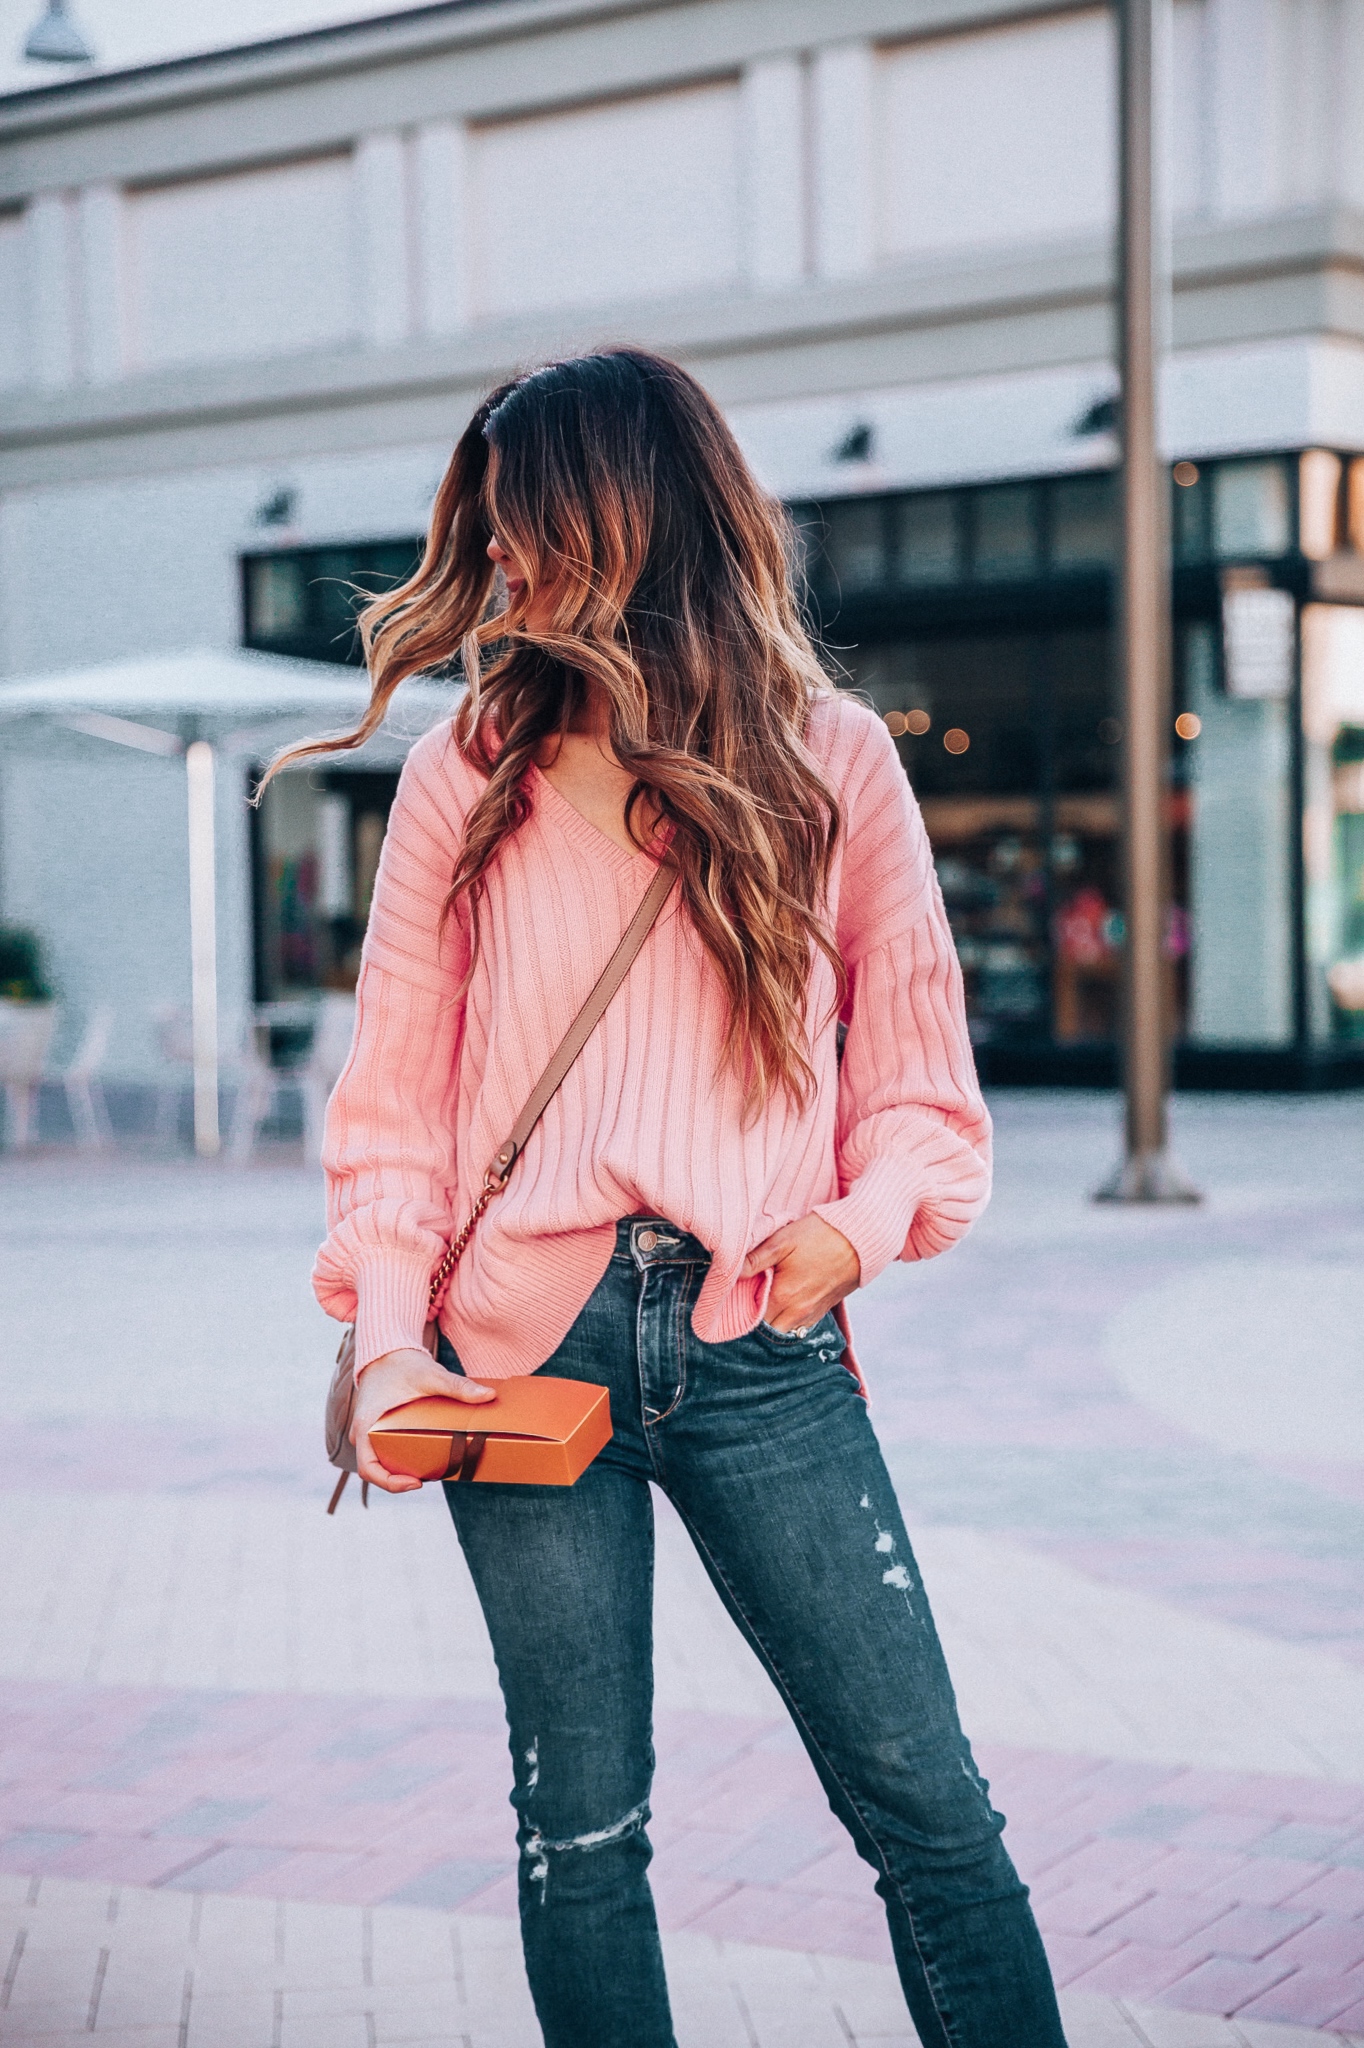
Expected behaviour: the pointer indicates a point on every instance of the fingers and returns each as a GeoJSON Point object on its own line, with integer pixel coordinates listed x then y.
{"type": "Point", "coordinates": [369, 1468]}
{"type": "Point", "coordinates": [815, 1267]}
{"type": "Point", "coordinates": [451, 1386]}
{"type": "Point", "coordinates": [769, 1253]}
{"type": "Point", "coordinates": [406, 1374]}
{"type": "Point", "coordinates": [787, 1307]}
{"type": "Point", "coordinates": [411, 1376]}
{"type": "Point", "coordinates": [795, 1310]}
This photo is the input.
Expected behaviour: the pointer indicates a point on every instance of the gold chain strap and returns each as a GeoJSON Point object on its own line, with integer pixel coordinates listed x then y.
{"type": "Point", "coordinates": [493, 1184]}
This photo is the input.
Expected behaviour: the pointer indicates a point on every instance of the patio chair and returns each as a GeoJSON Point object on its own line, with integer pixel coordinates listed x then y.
{"type": "Point", "coordinates": [239, 1063]}
{"type": "Point", "coordinates": [259, 1086]}
{"type": "Point", "coordinates": [263, 1085]}
{"type": "Point", "coordinates": [330, 1049]}
{"type": "Point", "coordinates": [80, 1081]}
{"type": "Point", "coordinates": [175, 1043]}
{"type": "Point", "coordinates": [25, 1035]}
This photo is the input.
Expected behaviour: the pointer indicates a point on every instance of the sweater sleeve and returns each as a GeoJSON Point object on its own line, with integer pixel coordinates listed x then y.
{"type": "Point", "coordinates": [388, 1153]}
{"type": "Point", "coordinates": [913, 1130]}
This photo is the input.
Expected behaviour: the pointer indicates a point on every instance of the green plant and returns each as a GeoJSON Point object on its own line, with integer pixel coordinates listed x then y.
{"type": "Point", "coordinates": [21, 966]}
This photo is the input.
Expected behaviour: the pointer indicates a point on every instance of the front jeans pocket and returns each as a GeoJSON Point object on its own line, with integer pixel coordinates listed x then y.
{"type": "Point", "coordinates": [817, 1337]}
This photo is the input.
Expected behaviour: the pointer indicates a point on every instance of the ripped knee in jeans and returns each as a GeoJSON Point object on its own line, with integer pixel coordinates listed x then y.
{"type": "Point", "coordinates": [538, 1848]}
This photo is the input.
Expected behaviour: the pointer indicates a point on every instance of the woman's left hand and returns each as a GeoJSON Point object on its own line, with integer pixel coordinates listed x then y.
{"type": "Point", "coordinates": [812, 1266]}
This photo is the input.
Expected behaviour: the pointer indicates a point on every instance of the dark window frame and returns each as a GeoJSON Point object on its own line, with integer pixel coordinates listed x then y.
{"type": "Point", "coordinates": [371, 565]}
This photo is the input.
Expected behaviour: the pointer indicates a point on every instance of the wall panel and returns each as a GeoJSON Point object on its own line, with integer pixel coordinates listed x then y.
{"type": "Point", "coordinates": [633, 199]}
{"type": "Point", "coordinates": [256, 263]}
{"type": "Point", "coordinates": [1004, 135]}
{"type": "Point", "coordinates": [13, 327]}
{"type": "Point", "coordinates": [1190, 114]}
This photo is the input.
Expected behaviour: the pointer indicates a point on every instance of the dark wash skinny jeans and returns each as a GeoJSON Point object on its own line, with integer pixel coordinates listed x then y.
{"type": "Point", "coordinates": [765, 1448]}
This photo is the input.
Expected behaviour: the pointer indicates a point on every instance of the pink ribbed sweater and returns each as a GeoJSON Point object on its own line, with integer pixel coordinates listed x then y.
{"type": "Point", "coordinates": [893, 1148]}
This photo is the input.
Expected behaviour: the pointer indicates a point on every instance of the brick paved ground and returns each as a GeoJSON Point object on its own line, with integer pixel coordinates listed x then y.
{"type": "Point", "coordinates": [252, 1762]}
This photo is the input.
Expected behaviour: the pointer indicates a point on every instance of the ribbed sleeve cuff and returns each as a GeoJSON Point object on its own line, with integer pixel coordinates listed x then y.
{"type": "Point", "coordinates": [876, 1213]}
{"type": "Point", "coordinates": [391, 1296]}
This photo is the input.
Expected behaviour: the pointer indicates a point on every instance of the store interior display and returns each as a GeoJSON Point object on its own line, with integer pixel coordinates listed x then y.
{"type": "Point", "coordinates": [318, 835]}
{"type": "Point", "coordinates": [1011, 745]}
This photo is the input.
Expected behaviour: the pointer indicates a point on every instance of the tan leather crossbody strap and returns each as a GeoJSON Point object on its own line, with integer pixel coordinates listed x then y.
{"type": "Point", "coordinates": [567, 1050]}
{"type": "Point", "coordinates": [587, 1019]}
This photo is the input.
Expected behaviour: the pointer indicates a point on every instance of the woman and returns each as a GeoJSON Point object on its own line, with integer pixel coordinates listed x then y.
{"type": "Point", "coordinates": [706, 1187]}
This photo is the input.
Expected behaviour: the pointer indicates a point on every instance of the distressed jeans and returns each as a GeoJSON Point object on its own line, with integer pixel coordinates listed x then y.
{"type": "Point", "coordinates": [765, 1449]}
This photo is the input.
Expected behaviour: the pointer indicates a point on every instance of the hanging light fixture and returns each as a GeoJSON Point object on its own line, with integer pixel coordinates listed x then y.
{"type": "Point", "coordinates": [55, 39]}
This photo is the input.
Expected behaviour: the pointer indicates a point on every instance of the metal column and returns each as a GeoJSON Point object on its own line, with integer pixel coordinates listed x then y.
{"type": "Point", "coordinates": [203, 942]}
{"type": "Point", "coordinates": [1147, 1173]}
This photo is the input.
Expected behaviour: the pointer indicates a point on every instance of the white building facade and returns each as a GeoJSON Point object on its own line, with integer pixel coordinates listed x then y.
{"type": "Point", "coordinates": [248, 300]}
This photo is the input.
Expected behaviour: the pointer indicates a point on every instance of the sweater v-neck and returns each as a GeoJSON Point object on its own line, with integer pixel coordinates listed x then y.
{"type": "Point", "coordinates": [582, 831]}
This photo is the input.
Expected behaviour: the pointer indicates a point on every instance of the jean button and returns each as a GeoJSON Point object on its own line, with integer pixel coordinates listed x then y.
{"type": "Point", "coordinates": [648, 1240]}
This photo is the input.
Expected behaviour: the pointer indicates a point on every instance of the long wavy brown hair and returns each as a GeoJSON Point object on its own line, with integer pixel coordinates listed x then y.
{"type": "Point", "coordinates": [659, 575]}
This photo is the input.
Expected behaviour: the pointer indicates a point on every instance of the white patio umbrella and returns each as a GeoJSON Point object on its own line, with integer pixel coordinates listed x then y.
{"type": "Point", "coordinates": [197, 705]}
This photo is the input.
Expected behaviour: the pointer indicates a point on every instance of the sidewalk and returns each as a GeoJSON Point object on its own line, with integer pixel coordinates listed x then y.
{"type": "Point", "coordinates": [252, 1775]}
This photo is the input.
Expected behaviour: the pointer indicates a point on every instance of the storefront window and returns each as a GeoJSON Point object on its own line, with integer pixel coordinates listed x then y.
{"type": "Point", "coordinates": [928, 538]}
{"type": "Point", "coordinates": [1238, 766]}
{"type": "Point", "coordinates": [1354, 505]}
{"type": "Point", "coordinates": [303, 601]}
{"type": "Point", "coordinates": [1005, 542]}
{"type": "Point", "coordinates": [856, 544]}
{"type": "Point", "coordinates": [1345, 976]}
{"type": "Point", "coordinates": [1320, 474]}
{"type": "Point", "coordinates": [276, 601]}
{"type": "Point", "coordinates": [1191, 514]}
{"type": "Point", "coordinates": [977, 618]}
{"type": "Point", "coordinates": [1333, 818]}
{"type": "Point", "coordinates": [1251, 509]}
{"type": "Point", "coordinates": [1011, 746]}
{"type": "Point", "coordinates": [1084, 521]}
{"type": "Point", "coordinates": [318, 838]}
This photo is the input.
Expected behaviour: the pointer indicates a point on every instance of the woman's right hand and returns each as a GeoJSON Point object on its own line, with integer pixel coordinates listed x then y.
{"type": "Point", "coordinates": [386, 1383]}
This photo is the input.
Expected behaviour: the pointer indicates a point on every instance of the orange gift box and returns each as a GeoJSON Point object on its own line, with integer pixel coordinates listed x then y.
{"type": "Point", "coordinates": [537, 1432]}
